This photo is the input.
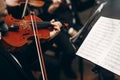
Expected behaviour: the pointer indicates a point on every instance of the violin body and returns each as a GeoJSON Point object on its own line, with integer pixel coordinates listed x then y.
{"type": "Point", "coordinates": [35, 3]}
{"type": "Point", "coordinates": [24, 33]}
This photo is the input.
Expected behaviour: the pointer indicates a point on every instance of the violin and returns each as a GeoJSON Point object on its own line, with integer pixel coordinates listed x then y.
{"type": "Point", "coordinates": [35, 3]}
{"type": "Point", "coordinates": [19, 36]}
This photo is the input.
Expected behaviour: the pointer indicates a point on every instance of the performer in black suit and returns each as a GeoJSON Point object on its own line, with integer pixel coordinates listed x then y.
{"type": "Point", "coordinates": [19, 65]}
{"type": "Point", "coordinates": [9, 68]}
{"type": "Point", "coordinates": [62, 41]}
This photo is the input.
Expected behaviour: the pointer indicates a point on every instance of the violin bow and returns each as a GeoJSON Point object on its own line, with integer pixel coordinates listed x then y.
{"type": "Point", "coordinates": [38, 46]}
{"type": "Point", "coordinates": [25, 7]}
{"type": "Point", "coordinates": [37, 41]}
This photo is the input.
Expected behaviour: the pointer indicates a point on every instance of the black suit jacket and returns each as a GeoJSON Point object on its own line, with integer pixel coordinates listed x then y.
{"type": "Point", "coordinates": [9, 68]}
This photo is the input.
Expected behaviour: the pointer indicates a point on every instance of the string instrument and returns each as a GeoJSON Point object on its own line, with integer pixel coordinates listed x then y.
{"type": "Point", "coordinates": [20, 35]}
{"type": "Point", "coordinates": [35, 3]}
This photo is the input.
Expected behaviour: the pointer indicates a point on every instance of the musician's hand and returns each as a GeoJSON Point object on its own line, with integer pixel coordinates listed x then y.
{"type": "Point", "coordinates": [55, 4]}
{"type": "Point", "coordinates": [56, 28]}
{"type": "Point", "coordinates": [12, 3]}
{"type": "Point", "coordinates": [57, 25]}
{"type": "Point", "coordinates": [72, 32]}
{"type": "Point", "coordinates": [56, 1]}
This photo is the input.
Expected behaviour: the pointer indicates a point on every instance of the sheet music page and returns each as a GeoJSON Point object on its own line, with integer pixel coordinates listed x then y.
{"type": "Point", "coordinates": [102, 45]}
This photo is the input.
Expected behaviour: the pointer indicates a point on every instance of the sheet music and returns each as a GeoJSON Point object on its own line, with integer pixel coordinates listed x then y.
{"type": "Point", "coordinates": [102, 45]}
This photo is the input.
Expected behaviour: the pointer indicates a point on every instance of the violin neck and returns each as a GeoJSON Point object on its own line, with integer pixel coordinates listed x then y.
{"type": "Point", "coordinates": [43, 24]}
